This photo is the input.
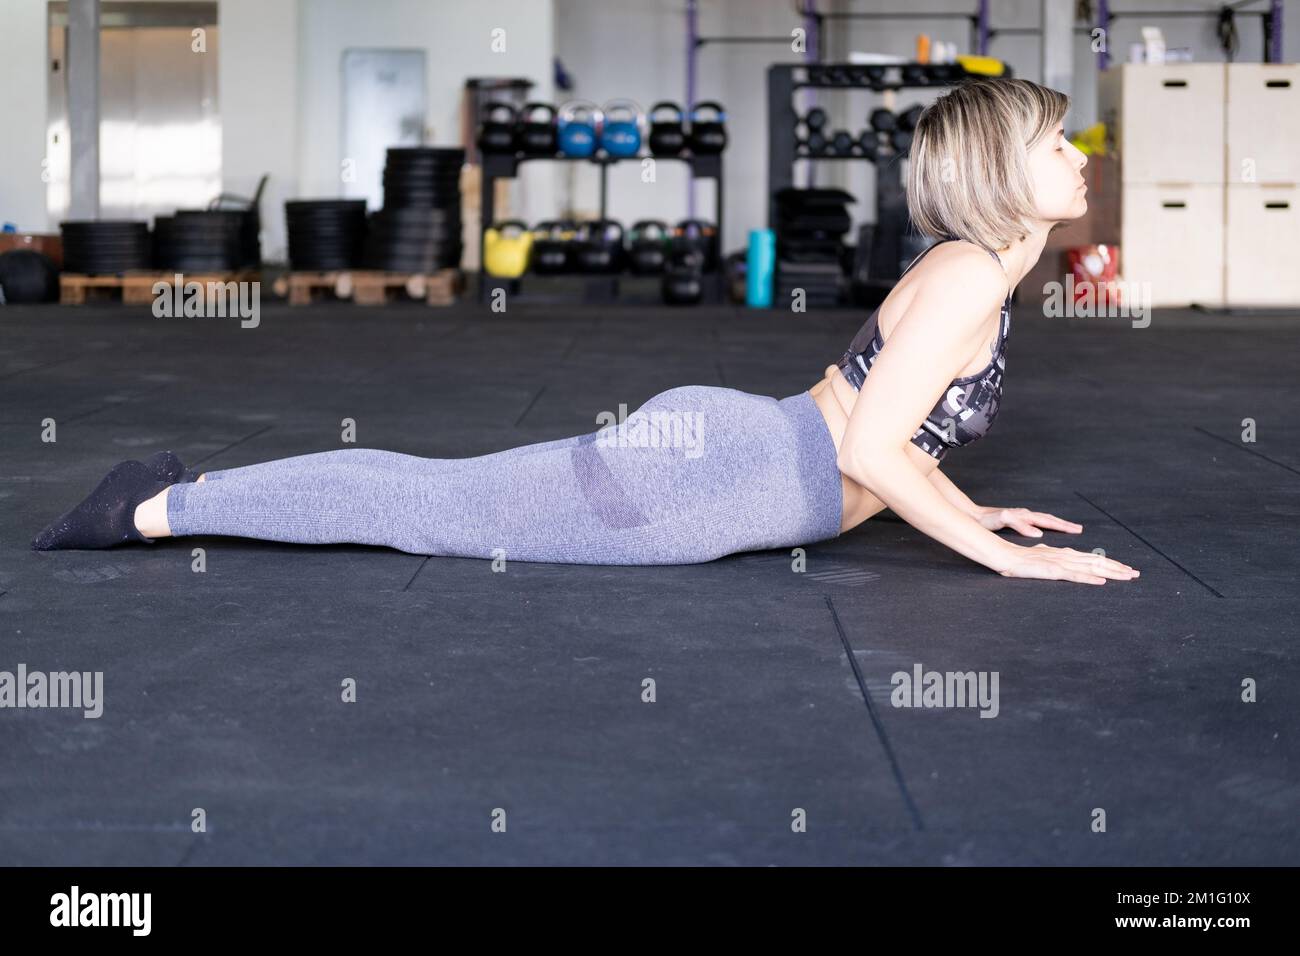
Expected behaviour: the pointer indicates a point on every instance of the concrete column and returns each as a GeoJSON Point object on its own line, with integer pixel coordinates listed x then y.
{"type": "Point", "coordinates": [83, 108]}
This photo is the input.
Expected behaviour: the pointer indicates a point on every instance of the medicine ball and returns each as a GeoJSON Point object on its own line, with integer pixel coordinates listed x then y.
{"type": "Point", "coordinates": [28, 276]}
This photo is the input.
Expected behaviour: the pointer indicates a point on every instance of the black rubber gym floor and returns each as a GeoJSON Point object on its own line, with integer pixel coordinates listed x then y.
{"type": "Point", "coordinates": [521, 692]}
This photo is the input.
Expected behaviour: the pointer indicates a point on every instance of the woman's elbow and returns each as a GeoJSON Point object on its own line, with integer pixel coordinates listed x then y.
{"type": "Point", "coordinates": [862, 463]}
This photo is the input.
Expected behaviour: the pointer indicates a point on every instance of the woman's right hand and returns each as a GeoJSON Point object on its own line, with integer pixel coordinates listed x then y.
{"type": "Point", "coordinates": [1063, 564]}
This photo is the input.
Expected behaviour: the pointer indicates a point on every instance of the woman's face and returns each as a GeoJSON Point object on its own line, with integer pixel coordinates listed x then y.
{"type": "Point", "coordinates": [1055, 166]}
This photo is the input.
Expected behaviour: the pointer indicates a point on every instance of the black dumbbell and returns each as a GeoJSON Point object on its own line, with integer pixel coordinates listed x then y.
{"type": "Point", "coordinates": [842, 143]}
{"type": "Point", "coordinates": [817, 145]}
{"type": "Point", "coordinates": [882, 120]}
{"type": "Point", "coordinates": [901, 140]}
{"type": "Point", "coordinates": [869, 144]}
{"type": "Point", "coordinates": [815, 118]}
{"type": "Point", "coordinates": [915, 74]}
{"type": "Point", "coordinates": [838, 76]}
{"type": "Point", "coordinates": [908, 118]}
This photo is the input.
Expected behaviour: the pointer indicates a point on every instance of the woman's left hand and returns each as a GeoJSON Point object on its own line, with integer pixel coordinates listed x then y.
{"type": "Point", "coordinates": [1023, 520]}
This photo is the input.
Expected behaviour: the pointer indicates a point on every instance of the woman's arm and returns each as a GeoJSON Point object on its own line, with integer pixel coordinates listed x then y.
{"type": "Point", "coordinates": [945, 326]}
{"type": "Point", "coordinates": [953, 494]}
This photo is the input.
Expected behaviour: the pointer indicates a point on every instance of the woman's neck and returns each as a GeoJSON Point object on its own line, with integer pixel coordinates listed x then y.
{"type": "Point", "coordinates": [1022, 255]}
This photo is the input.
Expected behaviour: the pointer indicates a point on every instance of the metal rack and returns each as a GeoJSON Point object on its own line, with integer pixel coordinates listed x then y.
{"type": "Point", "coordinates": [506, 166]}
{"type": "Point", "coordinates": [783, 79]}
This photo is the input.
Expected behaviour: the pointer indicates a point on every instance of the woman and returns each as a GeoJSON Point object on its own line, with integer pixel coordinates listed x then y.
{"type": "Point", "coordinates": [699, 472]}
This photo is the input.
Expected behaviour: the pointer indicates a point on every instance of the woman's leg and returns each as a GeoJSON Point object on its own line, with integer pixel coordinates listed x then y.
{"type": "Point", "coordinates": [375, 458]}
{"type": "Point", "coordinates": [694, 474]}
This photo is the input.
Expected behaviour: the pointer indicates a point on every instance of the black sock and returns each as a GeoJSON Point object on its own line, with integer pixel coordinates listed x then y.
{"type": "Point", "coordinates": [166, 466]}
{"type": "Point", "coordinates": [107, 516]}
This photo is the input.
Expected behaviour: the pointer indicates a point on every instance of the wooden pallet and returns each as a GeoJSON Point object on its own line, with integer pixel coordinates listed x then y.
{"type": "Point", "coordinates": [302, 288]}
{"type": "Point", "coordinates": [370, 287]}
{"type": "Point", "coordinates": [135, 288]}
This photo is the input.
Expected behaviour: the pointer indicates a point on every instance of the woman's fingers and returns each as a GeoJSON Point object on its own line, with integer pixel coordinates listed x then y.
{"type": "Point", "coordinates": [1044, 520]}
{"type": "Point", "coordinates": [1025, 528]}
{"type": "Point", "coordinates": [1095, 563]}
{"type": "Point", "coordinates": [1103, 566]}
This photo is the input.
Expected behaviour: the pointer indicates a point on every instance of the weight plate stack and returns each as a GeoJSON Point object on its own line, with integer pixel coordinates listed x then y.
{"type": "Point", "coordinates": [419, 228]}
{"type": "Point", "coordinates": [204, 240]}
{"type": "Point", "coordinates": [414, 239]}
{"type": "Point", "coordinates": [105, 247]}
{"type": "Point", "coordinates": [325, 234]}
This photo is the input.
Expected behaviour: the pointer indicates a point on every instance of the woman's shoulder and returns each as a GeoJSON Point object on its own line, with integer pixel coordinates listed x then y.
{"type": "Point", "coordinates": [959, 268]}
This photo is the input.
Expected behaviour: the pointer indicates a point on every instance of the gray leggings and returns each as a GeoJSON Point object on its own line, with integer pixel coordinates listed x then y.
{"type": "Point", "coordinates": [695, 473]}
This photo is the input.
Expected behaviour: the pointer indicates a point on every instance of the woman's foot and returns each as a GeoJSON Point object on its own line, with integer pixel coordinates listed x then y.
{"type": "Point", "coordinates": [168, 467]}
{"type": "Point", "coordinates": [107, 517]}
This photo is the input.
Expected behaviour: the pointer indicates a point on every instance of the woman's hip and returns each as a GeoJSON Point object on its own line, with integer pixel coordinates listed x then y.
{"type": "Point", "coordinates": [700, 450]}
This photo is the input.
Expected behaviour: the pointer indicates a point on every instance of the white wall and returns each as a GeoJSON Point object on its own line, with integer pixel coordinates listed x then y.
{"type": "Point", "coordinates": [258, 97]}
{"type": "Point", "coordinates": [457, 37]}
{"type": "Point", "coordinates": [24, 38]}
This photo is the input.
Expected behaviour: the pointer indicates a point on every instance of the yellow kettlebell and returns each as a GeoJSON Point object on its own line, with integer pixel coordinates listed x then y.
{"type": "Point", "coordinates": [506, 246]}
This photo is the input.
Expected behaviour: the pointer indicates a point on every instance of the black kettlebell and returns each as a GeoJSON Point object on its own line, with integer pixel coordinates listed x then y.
{"type": "Point", "coordinates": [551, 242]}
{"type": "Point", "coordinates": [696, 237]}
{"type": "Point", "coordinates": [683, 282]}
{"type": "Point", "coordinates": [708, 135]}
{"type": "Point", "coordinates": [536, 136]}
{"type": "Point", "coordinates": [667, 136]}
{"type": "Point", "coordinates": [600, 246]}
{"type": "Point", "coordinates": [648, 246]}
{"type": "Point", "coordinates": [496, 134]}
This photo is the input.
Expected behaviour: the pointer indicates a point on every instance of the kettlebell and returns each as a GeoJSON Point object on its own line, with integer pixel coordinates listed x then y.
{"type": "Point", "coordinates": [536, 136]}
{"type": "Point", "coordinates": [648, 246]}
{"type": "Point", "coordinates": [708, 135]}
{"type": "Point", "coordinates": [505, 249]}
{"type": "Point", "coordinates": [600, 246]}
{"type": "Point", "coordinates": [683, 283]}
{"type": "Point", "coordinates": [620, 135]}
{"type": "Point", "coordinates": [667, 136]}
{"type": "Point", "coordinates": [496, 134]}
{"type": "Point", "coordinates": [579, 125]}
{"type": "Point", "coordinates": [551, 241]}
{"type": "Point", "coordinates": [696, 237]}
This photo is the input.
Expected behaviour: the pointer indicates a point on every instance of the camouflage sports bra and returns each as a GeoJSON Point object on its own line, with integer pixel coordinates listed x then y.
{"type": "Point", "coordinates": [970, 404]}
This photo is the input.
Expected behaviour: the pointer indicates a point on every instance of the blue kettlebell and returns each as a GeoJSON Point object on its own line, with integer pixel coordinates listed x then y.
{"type": "Point", "coordinates": [620, 136]}
{"type": "Point", "coordinates": [579, 123]}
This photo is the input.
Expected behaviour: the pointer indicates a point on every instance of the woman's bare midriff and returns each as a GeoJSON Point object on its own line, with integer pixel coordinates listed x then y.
{"type": "Point", "coordinates": [835, 397]}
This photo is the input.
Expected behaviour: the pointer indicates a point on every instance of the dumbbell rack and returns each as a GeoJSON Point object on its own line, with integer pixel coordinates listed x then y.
{"type": "Point", "coordinates": [784, 79]}
{"type": "Point", "coordinates": [599, 287]}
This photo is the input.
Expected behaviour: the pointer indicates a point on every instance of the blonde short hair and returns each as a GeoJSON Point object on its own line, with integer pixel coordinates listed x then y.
{"type": "Point", "coordinates": [968, 174]}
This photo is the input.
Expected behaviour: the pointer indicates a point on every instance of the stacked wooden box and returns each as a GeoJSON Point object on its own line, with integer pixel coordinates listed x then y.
{"type": "Point", "coordinates": [1210, 195]}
